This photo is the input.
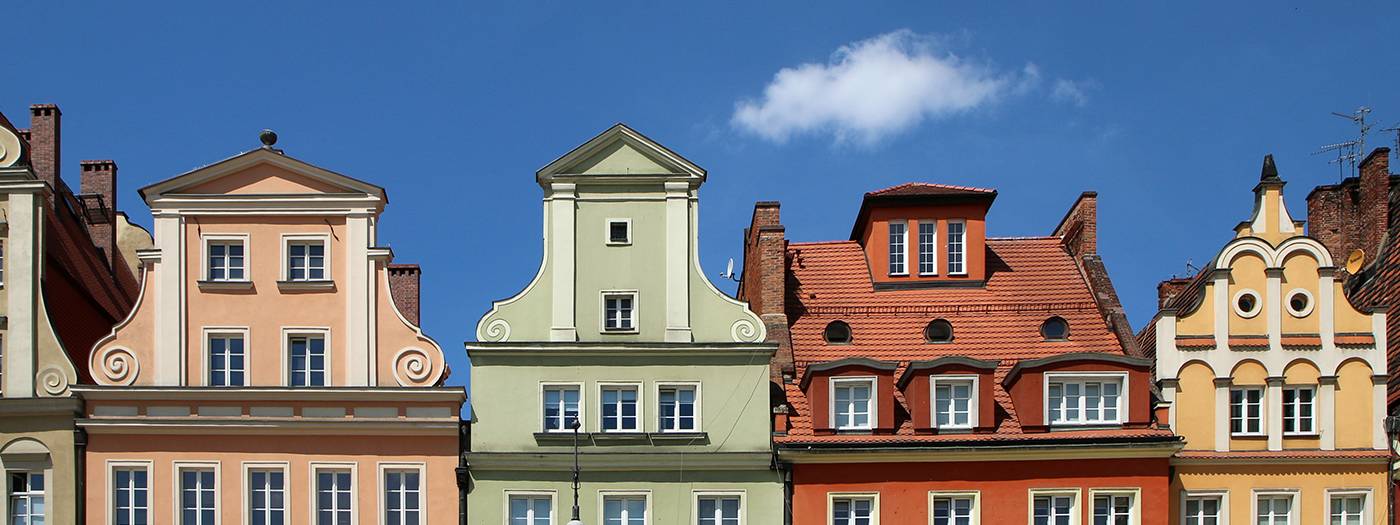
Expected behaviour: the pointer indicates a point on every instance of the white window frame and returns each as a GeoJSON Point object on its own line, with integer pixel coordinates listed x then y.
{"type": "Point", "coordinates": [20, 468]}
{"type": "Point", "coordinates": [833, 382]}
{"type": "Point", "coordinates": [1134, 513]}
{"type": "Point", "coordinates": [177, 488]}
{"type": "Point", "coordinates": [216, 238]}
{"type": "Point", "coordinates": [383, 483]}
{"type": "Point", "coordinates": [1222, 495]}
{"type": "Point", "coordinates": [288, 332]}
{"type": "Point", "coordinates": [225, 331]}
{"type": "Point", "coordinates": [1244, 417]}
{"type": "Point", "coordinates": [266, 466]}
{"type": "Point", "coordinates": [603, 496]}
{"type": "Point", "coordinates": [603, 311]}
{"type": "Point", "coordinates": [582, 405]}
{"type": "Point", "coordinates": [1312, 418]}
{"type": "Point", "coordinates": [1288, 303]}
{"type": "Point", "coordinates": [1367, 512]}
{"type": "Point", "coordinates": [312, 489]}
{"type": "Point", "coordinates": [694, 385]}
{"type": "Point", "coordinates": [933, 245]}
{"type": "Point", "coordinates": [904, 248]}
{"type": "Point", "coordinates": [607, 231]}
{"type": "Point", "coordinates": [1081, 377]}
{"type": "Point", "coordinates": [934, 380]}
{"type": "Point", "coordinates": [874, 498]}
{"type": "Point", "coordinates": [950, 494]}
{"type": "Point", "coordinates": [641, 407]}
{"type": "Point", "coordinates": [1293, 507]}
{"type": "Point", "coordinates": [962, 247]}
{"type": "Point", "coordinates": [112, 467]}
{"type": "Point", "coordinates": [532, 494]}
{"type": "Point", "coordinates": [1258, 303]}
{"type": "Point", "coordinates": [1076, 511]}
{"type": "Point", "coordinates": [289, 238]}
{"type": "Point", "coordinates": [697, 495]}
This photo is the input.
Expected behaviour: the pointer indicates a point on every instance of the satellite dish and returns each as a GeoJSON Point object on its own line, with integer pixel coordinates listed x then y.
{"type": "Point", "coordinates": [1355, 259]}
{"type": "Point", "coordinates": [729, 269]}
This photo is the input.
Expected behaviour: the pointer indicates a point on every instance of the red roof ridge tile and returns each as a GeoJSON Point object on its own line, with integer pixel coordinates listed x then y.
{"type": "Point", "coordinates": [906, 185]}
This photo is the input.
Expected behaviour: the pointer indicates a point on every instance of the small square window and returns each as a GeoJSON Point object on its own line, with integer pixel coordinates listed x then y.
{"type": "Point", "coordinates": [620, 408]}
{"type": "Point", "coordinates": [306, 260]}
{"type": "Point", "coordinates": [619, 231]}
{"type": "Point", "coordinates": [619, 312]}
{"type": "Point", "coordinates": [227, 262]}
{"type": "Point", "coordinates": [852, 406]}
{"type": "Point", "coordinates": [676, 406]}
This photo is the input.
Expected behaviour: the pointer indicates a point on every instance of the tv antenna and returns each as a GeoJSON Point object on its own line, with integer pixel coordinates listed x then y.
{"type": "Point", "coordinates": [1349, 152]}
{"type": "Point", "coordinates": [1396, 130]}
{"type": "Point", "coordinates": [1191, 269]}
{"type": "Point", "coordinates": [729, 271]}
{"type": "Point", "coordinates": [1358, 117]}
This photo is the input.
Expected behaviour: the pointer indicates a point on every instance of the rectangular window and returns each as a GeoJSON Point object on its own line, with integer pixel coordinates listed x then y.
{"type": "Point", "coordinates": [267, 497]}
{"type": "Point", "coordinates": [1085, 402]}
{"type": "Point", "coordinates": [226, 360]}
{"type": "Point", "coordinates": [953, 402]}
{"type": "Point", "coordinates": [619, 231]}
{"type": "Point", "coordinates": [130, 497]}
{"type": "Point", "coordinates": [928, 247]}
{"type": "Point", "coordinates": [308, 356]}
{"type": "Point", "coordinates": [717, 510]}
{"type": "Point", "coordinates": [953, 510]}
{"type": "Point", "coordinates": [677, 408]}
{"type": "Point", "coordinates": [851, 403]}
{"type": "Point", "coordinates": [26, 498]}
{"type": "Point", "coordinates": [620, 409]}
{"type": "Point", "coordinates": [306, 260]}
{"type": "Point", "coordinates": [531, 510]}
{"type": "Point", "coordinates": [1274, 510]}
{"type": "Point", "coordinates": [619, 314]}
{"type": "Point", "coordinates": [226, 261]}
{"type": "Point", "coordinates": [956, 246]}
{"type": "Point", "coordinates": [624, 510]}
{"type": "Point", "coordinates": [853, 511]}
{"type": "Point", "coordinates": [1298, 410]}
{"type": "Point", "coordinates": [898, 235]}
{"type": "Point", "coordinates": [197, 496]}
{"type": "Point", "coordinates": [1113, 509]}
{"type": "Point", "coordinates": [333, 497]}
{"type": "Point", "coordinates": [1202, 510]}
{"type": "Point", "coordinates": [2, 262]}
{"type": "Point", "coordinates": [1247, 411]}
{"type": "Point", "coordinates": [1347, 509]}
{"type": "Point", "coordinates": [1057, 509]}
{"type": "Point", "coordinates": [402, 504]}
{"type": "Point", "coordinates": [560, 408]}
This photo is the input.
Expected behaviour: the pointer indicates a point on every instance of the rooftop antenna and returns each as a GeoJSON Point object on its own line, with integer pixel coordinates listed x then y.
{"type": "Point", "coordinates": [1191, 269]}
{"type": "Point", "coordinates": [1396, 130]}
{"type": "Point", "coordinates": [1349, 152]}
{"type": "Point", "coordinates": [729, 271]}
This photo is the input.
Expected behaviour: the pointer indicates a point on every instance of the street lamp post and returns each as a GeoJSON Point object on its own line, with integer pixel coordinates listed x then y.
{"type": "Point", "coordinates": [575, 519]}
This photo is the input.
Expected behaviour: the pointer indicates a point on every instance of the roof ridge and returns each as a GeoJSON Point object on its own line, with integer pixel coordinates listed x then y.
{"type": "Point", "coordinates": [930, 185]}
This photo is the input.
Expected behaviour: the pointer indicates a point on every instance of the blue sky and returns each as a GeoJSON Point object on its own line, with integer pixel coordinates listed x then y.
{"type": "Point", "coordinates": [1165, 110]}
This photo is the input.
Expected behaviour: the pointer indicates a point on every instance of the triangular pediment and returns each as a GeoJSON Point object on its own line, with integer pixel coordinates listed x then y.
{"type": "Point", "coordinates": [621, 152]}
{"type": "Point", "coordinates": [264, 171]}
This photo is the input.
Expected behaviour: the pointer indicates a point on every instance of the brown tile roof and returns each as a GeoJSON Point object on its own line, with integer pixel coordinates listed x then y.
{"type": "Point", "coordinates": [1029, 279]}
{"type": "Point", "coordinates": [928, 188]}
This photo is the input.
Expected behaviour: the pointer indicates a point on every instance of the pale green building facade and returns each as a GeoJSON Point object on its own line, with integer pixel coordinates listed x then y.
{"type": "Point", "coordinates": [667, 376]}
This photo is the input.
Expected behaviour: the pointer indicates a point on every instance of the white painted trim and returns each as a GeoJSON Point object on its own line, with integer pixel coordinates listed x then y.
{"type": "Point", "coordinates": [976, 496]}
{"type": "Point", "coordinates": [582, 406]}
{"type": "Point", "coordinates": [874, 498]}
{"type": "Point", "coordinates": [963, 222]}
{"type": "Point", "coordinates": [697, 495]}
{"type": "Point", "coordinates": [1076, 508]}
{"type": "Point", "coordinates": [603, 495]}
{"type": "Point", "coordinates": [1247, 314]}
{"type": "Point", "coordinates": [24, 273]}
{"type": "Point", "coordinates": [1316, 426]}
{"type": "Point", "coordinates": [1367, 510]}
{"type": "Point", "coordinates": [176, 487]}
{"type": "Point", "coordinates": [1273, 413]}
{"type": "Point", "coordinates": [246, 482]}
{"type": "Point", "coordinates": [1123, 393]}
{"type": "Point", "coordinates": [603, 311]}
{"type": "Point", "coordinates": [1222, 495]}
{"type": "Point", "coordinates": [206, 332]}
{"type": "Point", "coordinates": [383, 469]}
{"type": "Point", "coordinates": [1222, 414]}
{"type": "Point", "coordinates": [1294, 506]}
{"type": "Point", "coordinates": [1134, 514]}
{"type": "Point", "coordinates": [641, 406]}
{"type": "Point", "coordinates": [1263, 411]}
{"type": "Point", "coordinates": [918, 244]}
{"type": "Point", "coordinates": [313, 467]}
{"type": "Point", "coordinates": [699, 425]}
{"type": "Point", "coordinates": [973, 398]}
{"type": "Point", "coordinates": [873, 421]}
{"type": "Point", "coordinates": [553, 502]}
{"type": "Point", "coordinates": [112, 466]}
{"type": "Point", "coordinates": [607, 231]}
{"type": "Point", "coordinates": [1288, 303]}
{"type": "Point", "coordinates": [889, 251]}
{"type": "Point", "coordinates": [562, 215]}
{"type": "Point", "coordinates": [290, 331]}
{"type": "Point", "coordinates": [323, 238]}
{"type": "Point", "coordinates": [206, 238]}
{"type": "Point", "coordinates": [677, 249]}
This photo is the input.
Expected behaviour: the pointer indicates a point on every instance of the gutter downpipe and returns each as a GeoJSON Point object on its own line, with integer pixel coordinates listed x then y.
{"type": "Point", "coordinates": [463, 469]}
{"type": "Point", "coordinates": [80, 474]}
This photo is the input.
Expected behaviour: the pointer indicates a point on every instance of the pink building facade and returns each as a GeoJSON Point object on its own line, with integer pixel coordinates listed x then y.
{"type": "Point", "coordinates": [273, 370]}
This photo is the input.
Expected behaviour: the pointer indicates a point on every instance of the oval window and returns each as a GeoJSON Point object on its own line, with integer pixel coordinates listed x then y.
{"type": "Point", "coordinates": [1055, 329]}
{"type": "Point", "coordinates": [1300, 302]}
{"type": "Point", "coordinates": [938, 331]}
{"type": "Point", "coordinates": [1247, 303]}
{"type": "Point", "coordinates": [838, 332]}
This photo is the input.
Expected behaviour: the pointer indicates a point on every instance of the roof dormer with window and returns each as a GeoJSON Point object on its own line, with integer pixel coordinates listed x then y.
{"type": "Point", "coordinates": [853, 395]}
{"type": "Point", "coordinates": [924, 235]}
{"type": "Point", "coordinates": [1082, 390]}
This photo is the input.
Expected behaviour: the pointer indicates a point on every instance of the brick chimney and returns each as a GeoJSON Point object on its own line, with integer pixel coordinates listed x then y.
{"type": "Point", "coordinates": [764, 282]}
{"type": "Point", "coordinates": [1354, 214]}
{"type": "Point", "coordinates": [1170, 289]}
{"type": "Point", "coordinates": [403, 286]}
{"type": "Point", "coordinates": [44, 142]}
{"type": "Point", "coordinates": [1375, 200]}
{"type": "Point", "coordinates": [1079, 229]}
{"type": "Point", "coordinates": [98, 196]}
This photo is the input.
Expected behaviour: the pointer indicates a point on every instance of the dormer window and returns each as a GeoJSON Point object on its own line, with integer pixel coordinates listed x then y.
{"type": "Point", "coordinates": [837, 333]}
{"type": "Point", "coordinates": [851, 406]}
{"type": "Point", "coordinates": [939, 331]}
{"type": "Point", "coordinates": [954, 401]}
{"type": "Point", "coordinates": [899, 240]}
{"type": "Point", "coordinates": [928, 248]}
{"type": "Point", "coordinates": [1085, 400]}
{"type": "Point", "coordinates": [957, 246]}
{"type": "Point", "coordinates": [619, 232]}
{"type": "Point", "coordinates": [1055, 329]}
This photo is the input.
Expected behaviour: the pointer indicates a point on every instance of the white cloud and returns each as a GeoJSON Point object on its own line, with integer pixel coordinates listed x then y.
{"type": "Point", "coordinates": [1072, 92]}
{"type": "Point", "coordinates": [875, 88]}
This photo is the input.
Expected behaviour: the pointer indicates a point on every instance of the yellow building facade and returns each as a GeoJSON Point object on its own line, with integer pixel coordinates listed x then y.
{"type": "Point", "coordinates": [1274, 380]}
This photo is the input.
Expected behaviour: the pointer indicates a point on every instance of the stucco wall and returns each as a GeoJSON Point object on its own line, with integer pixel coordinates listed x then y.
{"type": "Point", "coordinates": [672, 493]}
{"type": "Point", "coordinates": [55, 432]}
{"type": "Point", "coordinates": [1310, 481]}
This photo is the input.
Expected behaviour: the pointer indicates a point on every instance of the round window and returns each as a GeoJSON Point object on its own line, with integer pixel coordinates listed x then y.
{"type": "Point", "coordinates": [1055, 329]}
{"type": "Point", "coordinates": [838, 332]}
{"type": "Point", "coordinates": [1300, 302]}
{"type": "Point", "coordinates": [1247, 303]}
{"type": "Point", "coordinates": [938, 331]}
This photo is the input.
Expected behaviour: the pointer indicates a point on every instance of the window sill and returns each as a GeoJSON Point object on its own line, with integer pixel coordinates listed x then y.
{"type": "Point", "coordinates": [1248, 436]}
{"type": "Point", "coordinates": [620, 332]}
{"type": "Point", "coordinates": [324, 284]}
{"type": "Point", "coordinates": [1302, 435]}
{"type": "Point", "coordinates": [680, 438]}
{"type": "Point", "coordinates": [620, 436]}
{"type": "Point", "coordinates": [1059, 427]}
{"type": "Point", "coordinates": [225, 285]}
{"type": "Point", "coordinates": [952, 430]}
{"type": "Point", "coordinates": [561, 438]}
{"type": "Point", "coordinates": [616, 243]}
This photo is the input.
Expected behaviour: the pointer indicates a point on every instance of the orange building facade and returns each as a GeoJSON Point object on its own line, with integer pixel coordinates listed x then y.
{"type": "Point", "coordinates": [929, 374]}
{"type": "Point", "coordinates": [272, 370]}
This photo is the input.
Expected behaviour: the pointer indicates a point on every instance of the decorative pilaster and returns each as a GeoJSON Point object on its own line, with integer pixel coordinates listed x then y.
{"type": "Point", "coordinates": [562, 210]}
{"type": "Point", "coordinates": [1222, 414]}
{"type": "Point", "coordinates": [1273, 307]}
{"type": "Point", "coordinates": [1327, 411]}
{"type": "Point", "coordinates": [22, 285]}
{"type": "Point", "coordinates": [677, 256]}
{"type": "Point", "coordinates": [1379, 440]}
{"type": "Point", "coordinates": [1274, 413]}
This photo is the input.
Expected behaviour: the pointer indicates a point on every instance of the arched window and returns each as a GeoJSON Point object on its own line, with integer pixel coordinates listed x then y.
{"type": "Point", "coordinates": [938, 331]}
{"type": "Point", "coordinates": [837, 332]}
{"type": "Point", "coordinates": [1055, 329]}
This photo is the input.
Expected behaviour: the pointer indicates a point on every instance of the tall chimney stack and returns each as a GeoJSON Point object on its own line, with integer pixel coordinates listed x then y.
{"type": "Point", "coordinates": [98, 187]}
{"type": "Point", "coordinates": [404, 287]}
{"type": "Point", "coordinates": [44, 141]}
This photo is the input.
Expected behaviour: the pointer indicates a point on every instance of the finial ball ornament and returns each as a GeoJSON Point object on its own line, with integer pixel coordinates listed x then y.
{"type": "Point", "coordinates": [268, 137]}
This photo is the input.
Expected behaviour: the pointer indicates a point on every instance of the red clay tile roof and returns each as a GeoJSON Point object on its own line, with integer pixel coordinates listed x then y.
{"type": "Point", "coordinates": [928, 188]}
{"type": "Point", "coordinates": [1029, 279]}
